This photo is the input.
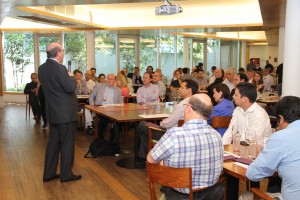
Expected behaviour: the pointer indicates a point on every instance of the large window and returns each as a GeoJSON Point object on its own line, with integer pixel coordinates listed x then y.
{"type": "Point", "coordinates": [75, 51]}
{"type": "Point", "coordinates": [105, 53]}
{"type": "Point", "coordinates": [127, 47]}
{"type": "Point", "coordinates": [167, 55]}
{"type": "Point", "coordinates": [180, 46]}
{"type": "Point", "coordinates": [18, 60]}
{"type": "Point", "coordinates": [213, 53]}
{"type": "Point", "coordinates": [148, 52]}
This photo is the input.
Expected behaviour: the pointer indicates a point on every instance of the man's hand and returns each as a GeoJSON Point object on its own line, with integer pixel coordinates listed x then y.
{"type": "Point", "coordinates": [70, 73]}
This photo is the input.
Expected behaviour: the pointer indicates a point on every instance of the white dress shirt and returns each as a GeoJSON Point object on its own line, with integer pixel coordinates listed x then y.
{"type": "Point", "coordinates": [255, 118]}
{"type": "Point", "coordinates": [229, 84]}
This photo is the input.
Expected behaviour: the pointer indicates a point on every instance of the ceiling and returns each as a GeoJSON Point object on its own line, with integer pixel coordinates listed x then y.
{"type": "Point", "coordinates": [200, 18]}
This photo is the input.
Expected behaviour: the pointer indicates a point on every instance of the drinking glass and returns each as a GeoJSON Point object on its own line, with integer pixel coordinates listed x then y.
{"type": "Point", "coordinates": [162, 97]}
{"type": "Point", "coordinates": [251, 140]}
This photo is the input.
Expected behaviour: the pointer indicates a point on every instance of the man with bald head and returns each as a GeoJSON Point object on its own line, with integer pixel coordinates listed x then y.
{"type": "Point", "coordinates": [194, 138]}
{"type": "Point", "coordinates": [61, 105]}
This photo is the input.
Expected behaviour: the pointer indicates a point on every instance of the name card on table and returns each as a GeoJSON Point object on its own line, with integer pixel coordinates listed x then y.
{"type": "Point", "coordinates": [155, 116]}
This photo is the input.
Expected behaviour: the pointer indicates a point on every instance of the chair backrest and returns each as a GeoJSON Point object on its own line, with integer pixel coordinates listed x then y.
{"type": "Point", "coordinates": [258, 194]}
{"type": "Point", "coordinates": [152, 142]}
{"type": "Point", "coordinates": [221, 121]}
{"type": "Point", "coordinates": [168, 176]}
{"type": "Point", "coordinates": [27, 105]}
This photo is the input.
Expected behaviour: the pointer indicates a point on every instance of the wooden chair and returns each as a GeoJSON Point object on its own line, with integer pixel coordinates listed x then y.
{"type": "Point", "coordinates": [152, 142]}
{"type": "Point", "coordinates": [258, 194]}
{"type": "Point", "coordinates": [221, 121]}
{"type": "Point", "coordinates": [27, 106]}
{"type": "Point", "coordinates": [173, 177]}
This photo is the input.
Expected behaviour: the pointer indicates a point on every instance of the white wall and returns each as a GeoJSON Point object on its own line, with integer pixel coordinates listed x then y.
{"type": "Point", "coordinates": [264, 53]}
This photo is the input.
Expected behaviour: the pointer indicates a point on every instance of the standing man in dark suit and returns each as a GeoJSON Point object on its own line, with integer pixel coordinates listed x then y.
{"type": "Point", "coordinates": [136, 79]}
{"type": "Point", "coordinates": [61, 106]}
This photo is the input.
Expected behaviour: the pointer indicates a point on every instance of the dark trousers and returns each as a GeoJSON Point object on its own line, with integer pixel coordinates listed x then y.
{"type": "Point", "coordinates": [114, 130]}
{"type": "Point", "coordinates": [35, 105]}
{"type": "Point", "coordinates": [60, 141]}
{"type": "Point", "coordinates": [143, 131]}
{"type": "Point", "coordinates": [232, 192]}
{"type": "Point", "coordinates": [213, 193]}
{"type": "Point", "coordinates": [43, 107]}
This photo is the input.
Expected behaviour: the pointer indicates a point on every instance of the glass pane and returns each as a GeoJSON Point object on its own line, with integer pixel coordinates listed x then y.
{"type": "Point", "coordinates": [212, 53]}
{"type": "Point", "coordinates": [167, 56]}
{"type": "Point", "coordinates": [197, 52]}
{"type": "Point", "coordinates": [148, 53]}
{"type": "Point", "coordinates": [44, 41]}
{"type": "Point", "coordinates": [75, 51]}
{"type": "Point", "coordinates": [18, 60]}
{"type": "Point", "coordinates": [105, 53]}
{"type": "Point", "coordinates": [180, 44]}
{"type": "Point", "coordinates": [127, 53]}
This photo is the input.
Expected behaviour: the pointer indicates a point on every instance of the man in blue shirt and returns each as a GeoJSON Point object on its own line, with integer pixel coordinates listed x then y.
{"type": "Point", "coordinates": [282, 150]}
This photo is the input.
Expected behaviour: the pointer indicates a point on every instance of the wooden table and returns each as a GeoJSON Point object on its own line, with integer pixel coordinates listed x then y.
{"type": "Point", "coordinates": [269, 102]}
{"type": "Point", "coordinates": [128, 113]}
{"type": "Point", "coordinates": [232, 169]}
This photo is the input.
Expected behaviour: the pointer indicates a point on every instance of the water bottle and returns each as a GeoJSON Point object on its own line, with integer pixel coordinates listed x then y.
{"type": "Point", "coordinates": [236, 141]}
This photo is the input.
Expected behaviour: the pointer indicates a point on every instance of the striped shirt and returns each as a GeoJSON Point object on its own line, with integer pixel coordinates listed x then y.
{"type": "Point", "coordinates": [195, 145]}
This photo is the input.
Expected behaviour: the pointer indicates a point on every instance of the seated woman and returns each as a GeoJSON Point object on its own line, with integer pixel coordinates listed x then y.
{"type": "Point", "coordinates": [122, 84]}
{"type": "Point", "coordinates": [224, 105]}
{"type": "Point", "coordinates": [258, 82]}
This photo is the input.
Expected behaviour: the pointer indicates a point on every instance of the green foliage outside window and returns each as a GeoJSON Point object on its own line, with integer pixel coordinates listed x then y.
{"type": "Point", "coordinates": [18, 49]}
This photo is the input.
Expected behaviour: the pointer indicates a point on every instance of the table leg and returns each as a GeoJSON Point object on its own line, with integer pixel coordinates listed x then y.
{"type": "Point", "coordinates": [130, 163]}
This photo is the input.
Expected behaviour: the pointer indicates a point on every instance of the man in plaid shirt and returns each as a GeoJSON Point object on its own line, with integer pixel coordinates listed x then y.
{"type": "Point", "coordinates": [195, 145]}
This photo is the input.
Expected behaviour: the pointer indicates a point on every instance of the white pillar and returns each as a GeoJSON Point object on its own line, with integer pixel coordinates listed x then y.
{"type": "Point", "coordinates": [90, 49]}
{"type": "Point", "coordinates": [243, 62]}
{"type": "Point", "coordinates": [291, 63]}
{"type": "Point", "coordinates": [281, 45]}
{"type": "Point", "coordinates": [186, 55]}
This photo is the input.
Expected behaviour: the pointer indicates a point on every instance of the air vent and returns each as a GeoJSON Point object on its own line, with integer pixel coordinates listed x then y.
{"type": "Point", "coordinates": [67, 10]}
{"type": "Point", "coordinates": [48, 21]}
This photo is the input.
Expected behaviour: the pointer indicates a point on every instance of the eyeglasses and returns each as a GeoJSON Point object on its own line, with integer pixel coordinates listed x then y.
{"type": "Point", "coordinates": [186, 104]}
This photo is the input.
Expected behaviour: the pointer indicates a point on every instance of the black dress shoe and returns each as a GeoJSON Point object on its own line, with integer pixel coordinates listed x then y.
{"type": "Point", "coordinates": [49, 179]}
{"type": "Point", "coordinates": [74, 178]}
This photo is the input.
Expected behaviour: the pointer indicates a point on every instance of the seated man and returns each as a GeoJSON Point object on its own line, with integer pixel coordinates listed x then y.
{"type": "Point", "coordinates": [89, 81]}
{"type": "Point", "coordinates": [157, 81]}
{"type": "Point", "coordinates": [81, 87]}
{"type": "Point", "coordinates": [149, 92]}
{"type": "Point", "coordinates": [106, 94]}
{"type": "Point", "coordinates": [186, 90]}
{"type": "Point", "coordinates": [282, 150]}
{"type": "Point", "coordinates": [32, 90]}
{"type": "Point", "coordinates": [248, 115]}
{"type": "Point", "coordinates": [194, 138]}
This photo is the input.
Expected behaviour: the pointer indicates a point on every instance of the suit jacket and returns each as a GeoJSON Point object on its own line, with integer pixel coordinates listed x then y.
{"type": "Point", "coordinates": [96, 96]}
{"type": "Point", "coordinates": [59, 89]}
{"type": "Point", "coordinates": [138, 80]}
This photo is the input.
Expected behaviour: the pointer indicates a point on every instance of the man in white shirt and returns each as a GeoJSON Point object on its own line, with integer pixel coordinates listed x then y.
{"type": "Point", "coordinates": [89, 81]}
{"type": "Point", "coordinates": [248, 115]}
{"type": "Point", "coordinates": [229, 78]}
{"type": "Point", "coordinates": [268, 79]}
{"type": "Point", "coordinates": [149, 92]}
{"type": "Point", "coordinates": [157, 81]}
{"type": "Point", "coordinates": [187, 89]}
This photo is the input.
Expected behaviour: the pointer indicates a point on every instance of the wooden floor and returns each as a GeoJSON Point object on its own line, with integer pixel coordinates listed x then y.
{"type": "Point", "coordinates": [22, 150]}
